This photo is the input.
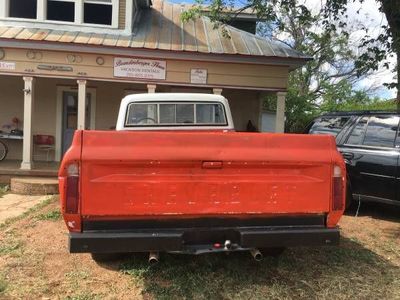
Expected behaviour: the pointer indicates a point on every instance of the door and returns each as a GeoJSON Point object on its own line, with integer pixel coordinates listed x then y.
{"type": "Point", "coordinates": [371, 157]}
{"type": "Point", "coordinates": [398, 165]}
{"type": "Point", "coordinates": [70, 117]}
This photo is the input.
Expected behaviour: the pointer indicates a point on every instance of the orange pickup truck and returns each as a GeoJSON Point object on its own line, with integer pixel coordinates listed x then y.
{"type": "Point", "coordinates": [174, 176]}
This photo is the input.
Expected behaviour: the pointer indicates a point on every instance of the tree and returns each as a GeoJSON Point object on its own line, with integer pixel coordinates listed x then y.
{"type": "Point", "coordinates": [334, 18]}
{"type": "Point", "coordinates": [324, 83]}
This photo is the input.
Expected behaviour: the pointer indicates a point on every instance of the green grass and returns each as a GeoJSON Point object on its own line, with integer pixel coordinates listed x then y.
{"type": "Point", "coordinates": [9, 246]}
{"type": "Point", "coordinates": [3, 284]}
{"type": "Point", "coordinates": [83, 296]}
{"type": "Point", "coordinates": [347, 272]}
{"type": "Point", "coordinates": [356, 269]}
{"type": "Point", "coordinates": [10, 243]}
{"type": "Point", "coordinates": [4, 189]}
{"type": "Point", "coordinates": [53, 215]}
{"type": "Point", "coordinates": [29, 212]}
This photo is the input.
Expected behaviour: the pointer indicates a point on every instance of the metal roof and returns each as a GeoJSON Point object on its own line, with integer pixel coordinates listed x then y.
{"type": "Point", "coordinates": [161, 28]}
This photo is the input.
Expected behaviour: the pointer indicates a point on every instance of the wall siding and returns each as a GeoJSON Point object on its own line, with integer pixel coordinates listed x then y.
{"type": "Point", "coordinates": [122, 14]}
{"type": "Point", "coordinates": [263, 77]}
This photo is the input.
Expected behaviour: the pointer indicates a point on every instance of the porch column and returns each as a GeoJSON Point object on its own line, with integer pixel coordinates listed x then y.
{"type": "Point", "coordinates": [217, 91]}
{"type": "Point", "coordinates": [261, 99]}
{"type": "Point", "coordinates": [27, 143]}
{"type": "Point", "coordinates": [280, 112]}
{"type": "Point", "coordinates": [81, 104]}
{"type": "Point", "coordinates": [151, 88]}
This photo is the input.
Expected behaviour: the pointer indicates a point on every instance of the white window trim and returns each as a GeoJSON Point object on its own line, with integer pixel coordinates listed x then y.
{"type": "Point", "coordinates": [3, 8]}
{"type": "Point", "coordinates": [41, 14]}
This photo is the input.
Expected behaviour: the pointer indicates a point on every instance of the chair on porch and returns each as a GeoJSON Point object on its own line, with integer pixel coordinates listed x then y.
{"type": "Point", "coordinates": [44, 143]}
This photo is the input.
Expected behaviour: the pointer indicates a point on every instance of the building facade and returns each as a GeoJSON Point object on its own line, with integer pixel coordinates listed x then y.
{"type": "Point", "coordinates": [66, 65]}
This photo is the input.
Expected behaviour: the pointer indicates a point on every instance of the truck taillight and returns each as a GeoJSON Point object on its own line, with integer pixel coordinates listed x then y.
{"type": "Point", "coordinates": [72, 189]}
{"type": "Point", "coordinates": [337, 191]}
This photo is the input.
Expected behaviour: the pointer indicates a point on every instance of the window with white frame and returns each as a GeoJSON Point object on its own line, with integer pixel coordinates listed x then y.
{"type": "Point", "coordinates": [22, 9]}
{"type": "Point", "coordinates": [58, 10]}
{"type": "Point", "coordinates": [97, 12]}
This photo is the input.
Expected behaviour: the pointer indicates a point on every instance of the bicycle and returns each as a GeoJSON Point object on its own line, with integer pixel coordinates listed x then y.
{"type": "Point", "coordinates": [3, 150]}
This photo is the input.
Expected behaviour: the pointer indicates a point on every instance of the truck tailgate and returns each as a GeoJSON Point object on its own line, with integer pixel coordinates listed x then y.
{"type": "Point", "coordinates": [133, 174]}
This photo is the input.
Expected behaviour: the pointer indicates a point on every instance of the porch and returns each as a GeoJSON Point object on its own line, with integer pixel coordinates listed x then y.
{"type": "Point", "coordinates": [12, 168]}
{"type": "Point", "coordinates": [56, 107]}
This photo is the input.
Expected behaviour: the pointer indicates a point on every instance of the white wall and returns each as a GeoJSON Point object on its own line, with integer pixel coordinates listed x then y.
{"type": "Point", "coordinates": [268, 121]}
{"type": "Point", "coordinates": [44, 111]}
{"type": "Point", "coordinates": [245, 106]}
{"type": "Point", "coordinates": [11, 105]}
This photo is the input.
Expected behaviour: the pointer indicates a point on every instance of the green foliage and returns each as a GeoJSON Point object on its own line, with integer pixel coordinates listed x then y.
{"type": "Point", "coordinates": [31, 211]}
{"type": "Point", "coordinates": [3, 190]}
{"type": "Point", "coordinates": [53, 215]}
{"type": "Point", "coordinates": [325, 37]}
{"type": "Point", "coordinates": [302, 109]}
{"type": "Point", "coordinates": [3, 285]}
{"type": "Point", "coordinates": [342, 97]}
{"type": "Point", "coordinates": [327, 83]}
{"type": "Point", "coordinates": [10, 246]}
{"type": "Point", "coordinates": [83, 296]}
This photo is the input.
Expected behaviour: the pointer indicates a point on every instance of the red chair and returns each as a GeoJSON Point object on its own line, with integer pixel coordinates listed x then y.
{"type": "Point", "coordinates": [44, 143]}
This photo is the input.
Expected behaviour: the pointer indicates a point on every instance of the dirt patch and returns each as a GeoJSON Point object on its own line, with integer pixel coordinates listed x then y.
{"type": "Point", "coordinates": [12, 205]}
{"type": "Point", "coordinates": [42, 266]}
{"type": "Point", "coordinates": [377, 228]}
{"type": "Point", "coordinates": [35, 263]}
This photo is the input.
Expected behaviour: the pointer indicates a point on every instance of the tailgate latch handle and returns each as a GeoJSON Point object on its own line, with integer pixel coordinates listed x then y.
{"type": "Point", "coordinates": [212, 165]}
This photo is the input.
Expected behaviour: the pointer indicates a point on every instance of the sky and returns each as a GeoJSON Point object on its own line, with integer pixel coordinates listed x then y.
{"type": "Point", "coordinates": [369, 16]}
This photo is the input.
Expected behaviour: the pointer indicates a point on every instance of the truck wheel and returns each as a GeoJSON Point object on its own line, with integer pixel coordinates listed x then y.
{"type": "Point", "coordinates": [105, 257]}
{"type": "Point", "coordinates": [273, 252]}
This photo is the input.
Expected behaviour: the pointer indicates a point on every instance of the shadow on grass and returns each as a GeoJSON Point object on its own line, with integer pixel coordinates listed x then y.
{"type": "Point", "coordinates": [378, 211]}
{"type": "Point", "coordinates": [348, 271]}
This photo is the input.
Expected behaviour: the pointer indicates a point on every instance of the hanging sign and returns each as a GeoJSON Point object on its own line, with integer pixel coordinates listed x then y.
{"type": "Point", "coordinates": [5, 65]}
{"type": "Point", "coordinates": [140, 68]}
{"type": "Point", "coordinates": [198, 76]}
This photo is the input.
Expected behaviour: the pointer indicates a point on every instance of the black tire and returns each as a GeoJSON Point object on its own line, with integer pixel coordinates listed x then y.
{"type": "Point", "coordinates": [3, 151]}
{"type": "Point", "coordinates": [272, 252]}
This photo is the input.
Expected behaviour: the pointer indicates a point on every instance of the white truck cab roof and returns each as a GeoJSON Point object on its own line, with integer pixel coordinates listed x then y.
{"type": "Point", "coordinates": [174, 111]}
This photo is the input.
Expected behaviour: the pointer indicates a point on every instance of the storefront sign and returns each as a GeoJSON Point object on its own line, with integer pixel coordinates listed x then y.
{"type": "Point", "coordinates": [198, 76]}
{"type": "Point", "coordinates": [140, 68]}
{"type": "Point", "coordinates": [5, 65]}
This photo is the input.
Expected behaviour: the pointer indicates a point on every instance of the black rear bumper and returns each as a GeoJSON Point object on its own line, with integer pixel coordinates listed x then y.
{"type": "Point", "coordinates": [180, 239]}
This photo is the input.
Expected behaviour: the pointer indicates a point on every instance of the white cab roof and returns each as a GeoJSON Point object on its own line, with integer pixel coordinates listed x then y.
{"type": "Point", "coordinates": [168, 97]}
{"type": "Point", "coordinates": [173, 97]}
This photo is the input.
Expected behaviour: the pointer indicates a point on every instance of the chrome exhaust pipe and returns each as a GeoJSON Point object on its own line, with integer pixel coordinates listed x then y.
{"type": "Point", "coordinates": [154, 258]}
{"type": "Point", "coordinates": [257, 255]}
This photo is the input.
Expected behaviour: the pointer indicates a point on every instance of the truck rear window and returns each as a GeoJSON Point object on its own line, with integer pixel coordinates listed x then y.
{"type": "Point", "coordinates": [175, 114]}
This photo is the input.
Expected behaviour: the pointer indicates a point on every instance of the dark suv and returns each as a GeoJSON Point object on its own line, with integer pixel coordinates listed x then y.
{"type": "Point", "coordinates": [370, 144]}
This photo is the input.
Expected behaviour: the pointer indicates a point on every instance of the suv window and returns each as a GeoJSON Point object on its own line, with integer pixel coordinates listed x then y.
{"type": "Point", "coordinates": [381, 131]}
{"type": "Point", "coordinates": [375, 131]}
{"type": "Point", "coordinates": [357, 134]}
{"type": "Point", "coordinates": [329, 125]}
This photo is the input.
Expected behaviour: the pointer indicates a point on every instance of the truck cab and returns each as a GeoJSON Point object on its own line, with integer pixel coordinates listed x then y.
{"type": "Point", "coordinates": [175, 177]}
{"type": "Point", "coordinates": [174, 111]}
